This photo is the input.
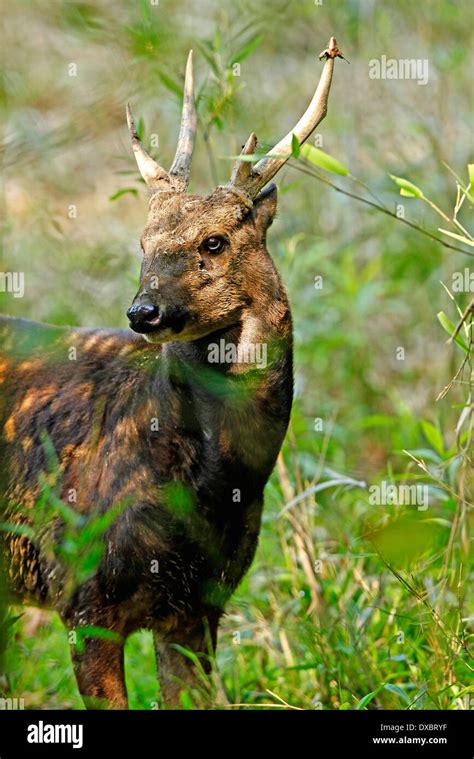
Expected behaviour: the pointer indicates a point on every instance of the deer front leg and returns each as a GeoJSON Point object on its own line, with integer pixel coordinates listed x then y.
{"type": "Point", "coordinates": [97, 655]}
{"type": "Point", "coordinates": [178, 673]}
{"type": "Point", "coordinates": [99, 669]}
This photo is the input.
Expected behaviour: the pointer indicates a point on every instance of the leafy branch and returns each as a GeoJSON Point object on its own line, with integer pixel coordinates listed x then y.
{"type": "Point", "coordinates": [325, 161]}
{"type": "Point", "coordinates": [316, 157]}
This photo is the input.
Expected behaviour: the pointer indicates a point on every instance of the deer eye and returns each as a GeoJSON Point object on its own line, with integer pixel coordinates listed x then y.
{"type": "Point", "coordinates": [214, 244]}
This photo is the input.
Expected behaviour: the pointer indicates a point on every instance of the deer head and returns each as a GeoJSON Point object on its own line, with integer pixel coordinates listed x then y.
{"type": "Point", "coordinates": [205, 260]}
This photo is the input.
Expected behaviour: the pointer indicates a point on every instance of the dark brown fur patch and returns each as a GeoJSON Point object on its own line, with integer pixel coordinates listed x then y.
{"type": "Point", "coordinates": [177, 449]}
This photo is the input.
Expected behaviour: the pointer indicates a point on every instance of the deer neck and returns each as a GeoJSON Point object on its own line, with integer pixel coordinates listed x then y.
{"type": "Point", "coordinates": [234, 387]}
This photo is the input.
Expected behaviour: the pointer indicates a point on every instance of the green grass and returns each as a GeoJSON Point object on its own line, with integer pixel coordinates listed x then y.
{"type": "Point", "coordinates": [347, 605]}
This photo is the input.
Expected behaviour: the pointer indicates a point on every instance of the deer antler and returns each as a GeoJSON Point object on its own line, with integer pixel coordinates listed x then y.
{"type": "Point", "coordinates": [177, 179]}
{"type": "Point", "coordinates": [181, 166]}
{"type": "Point", "coordinates": [251, 180]}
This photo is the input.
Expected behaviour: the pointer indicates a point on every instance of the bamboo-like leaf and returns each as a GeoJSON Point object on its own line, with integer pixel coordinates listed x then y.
{"type": "Point", "coordinates": [124, 191]}
{"type": "Point", "coordinates": [433, 436]}
{"type": "Point", "coordinates": [449, 327]}
{"type": "Point", "coordinates": [208, 55]}
{"type": "Point", "coordinates": [251, 45]}
{"type": "Point", "coordinates": [407, 188]}
{"type": "Point", "coordinates": [295, 146]}
{"type": "Point", "coordinates": [324, 160]}
{"type": "Point", "coordinates": [17, 529]}
{"type": "Point", "coordinates": [368, 698]}
{"type": "Point", "coordinates": [397, 691]}
{"type": "Point", "coordinates": [470, 171]}
{"type": "Point", "coordinates": [171, 85]}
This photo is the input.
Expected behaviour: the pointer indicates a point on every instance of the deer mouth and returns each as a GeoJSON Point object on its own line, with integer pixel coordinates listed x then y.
{"type": "Point", "coordinates": [168, 324]}
{"type": "Point", "coordinates": [153, 323]}
{"type": "Point", "coordinates": [147, 319]}
{"type": "Point", "coordinates": [145, 326]}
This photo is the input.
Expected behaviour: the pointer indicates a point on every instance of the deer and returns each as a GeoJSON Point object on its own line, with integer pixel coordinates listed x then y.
{"type": "Point", "coordinates": [145, 427]}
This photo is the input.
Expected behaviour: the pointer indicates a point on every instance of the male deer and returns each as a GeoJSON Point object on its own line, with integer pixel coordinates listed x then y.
{"type": "Point", "coordinates": [176, 447]}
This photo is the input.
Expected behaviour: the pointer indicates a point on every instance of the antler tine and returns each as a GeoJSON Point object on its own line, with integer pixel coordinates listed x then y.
{"type": "Point", "coordinates": [252, 180]}
{"type": "Point", "coordinates": [153, 174]}
{"type": "Point", "coordinates": [181, 166]}
{"type": "Point", "coordinates": [242, 170]}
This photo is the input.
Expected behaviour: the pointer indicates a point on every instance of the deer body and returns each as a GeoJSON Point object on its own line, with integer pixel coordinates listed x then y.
{"type": "Point", "coordinates": [211, 456]}
{"type": "Point", "coordinates": [176, 448]}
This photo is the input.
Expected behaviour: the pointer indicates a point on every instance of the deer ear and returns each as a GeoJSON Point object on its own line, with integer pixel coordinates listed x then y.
{"type": "Point", "coordinates": [264, 207]}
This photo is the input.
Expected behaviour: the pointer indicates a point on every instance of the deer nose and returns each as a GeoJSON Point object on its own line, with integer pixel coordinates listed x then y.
{"type": "Point", "coordinates": [144, 317]}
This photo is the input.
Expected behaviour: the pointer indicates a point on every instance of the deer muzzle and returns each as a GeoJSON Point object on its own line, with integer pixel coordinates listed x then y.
{"type": "Point", "coordinates": [146, 318]}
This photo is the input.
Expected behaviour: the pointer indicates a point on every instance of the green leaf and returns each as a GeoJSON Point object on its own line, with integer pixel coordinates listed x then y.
{"type": "Point", "coordinates": [17, 529]}
{"type": "Point", "coordinates": [251, 45]}
{"type": "Point", "coordinates": [368, 698]}
{"type": "Point", "coordinates": [438, 520]}
{"type": "Point", "coordinates": [186, 701]}
{"type": "Point", "coordinates": [187, 653]}
{"type": "Point", "coordinates": [324, 160]}
{"type": "Point", "coordinates": [119, 193]}
{"type": "Point", "coordinates": [171, 85]}
{"type": "Point", "coordinates": [449, 327]}
{"type": "Point", "coordinates": [208, 55]}
{"type": "Point", "coordinates": [217, 41]}
{"type": "Point", "coordinates": [470, 171]}
{"type": "Point", "coordinates": [407, 189]}
{"type": "Point", "coordinates": [295, 146]}
{"type": "Point", "coordinates": [433, 436]}
{"type": "Point", "coordinates": [10, 621]}
{"type": "Point", "coordinates": [252, 158]}
{"type": "Point", "coordinates": [93, 631]}
{"type": "Point", "coordinates": [397, 691]}
{"type": "Point", "coordinates": [140, 127]}
{"type": "Point", "coordinates": [218, 123]}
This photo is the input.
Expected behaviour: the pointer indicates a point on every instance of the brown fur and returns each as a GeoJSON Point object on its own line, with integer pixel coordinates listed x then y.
{"type": "Point", "coordinates": [173, 489]}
